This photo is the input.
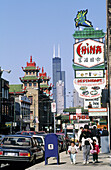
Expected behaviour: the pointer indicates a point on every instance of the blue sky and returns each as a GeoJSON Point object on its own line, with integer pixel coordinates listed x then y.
{"type": "Point", "coordinates": [32, 27]}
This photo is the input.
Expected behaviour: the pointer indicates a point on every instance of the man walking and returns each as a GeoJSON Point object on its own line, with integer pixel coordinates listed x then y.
{"type": "Point", "coordinates": [85, 139]}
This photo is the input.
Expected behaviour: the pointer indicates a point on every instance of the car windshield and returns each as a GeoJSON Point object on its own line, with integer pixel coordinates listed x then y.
{"type": "Point", "coordinates": [39, 140]}
{"type": "Point", "coordinates": [27, 133]}
{"type": "Point", "coordinates": [59, 137]}
{"type": "Point", "coordinates": [70, 135]}
{"type": "Point", "coordinates": [16, 141]}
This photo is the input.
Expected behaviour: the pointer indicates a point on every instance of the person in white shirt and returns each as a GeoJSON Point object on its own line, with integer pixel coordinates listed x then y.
{"type": "Point", "coordinates": [79, 133]}
{"type": "Point", "coordinates": [72, 151]}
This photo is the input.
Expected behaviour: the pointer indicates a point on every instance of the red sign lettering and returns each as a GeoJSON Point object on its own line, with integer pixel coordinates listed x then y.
{"type": "Point", "coordinates": [82, 50]}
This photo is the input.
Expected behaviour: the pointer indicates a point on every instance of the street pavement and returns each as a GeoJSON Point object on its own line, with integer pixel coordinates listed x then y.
{"type": "Point", "coordinates": [104, 163]}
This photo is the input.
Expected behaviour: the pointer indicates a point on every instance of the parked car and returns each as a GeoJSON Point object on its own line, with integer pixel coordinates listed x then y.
{"type": "Point", "coordinates": [26, 132]}
{"type": "Point", "coordinates": [61, 140]}
{"type": "Point", "coordinates": [71, 136]}
{"type": "Point", "coordinates": [41, 132]}
{"type": "Point", "coordinates": [40, 139]}
{"type": "Point", "coordinates": [19, 149]}
{"type": "Point", "coordinates": [1, 137]}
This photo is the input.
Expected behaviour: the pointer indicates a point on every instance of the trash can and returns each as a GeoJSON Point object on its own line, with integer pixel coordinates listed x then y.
{"type": "Point", "coordinates": [105, 144]}
{"type": "Point", "coordinates": [51, 147]}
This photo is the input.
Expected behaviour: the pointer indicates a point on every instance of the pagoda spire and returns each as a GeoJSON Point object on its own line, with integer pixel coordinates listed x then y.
{"type": "Point", "coordinates": [30, 59]}
{"type": "Point", "coordinates": [42, 69]}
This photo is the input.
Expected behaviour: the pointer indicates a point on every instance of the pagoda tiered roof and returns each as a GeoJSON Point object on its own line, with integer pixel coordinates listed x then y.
{"type": "Point", "coordinates": [27, 78]}
{"type": "Point", "coordinates": [89, 33]}
{"type": "Point", "coordinates": [43, 75]}
{"type": "Point", "coordinates": [17, 89]}
{"type": "Point", "coordinates": [46, 86]}
{"type": "Point", "coordinates": [31, 66]}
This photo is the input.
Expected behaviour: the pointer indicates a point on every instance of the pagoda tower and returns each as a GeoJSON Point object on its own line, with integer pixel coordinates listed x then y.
{"type": "Point", "coordinates": [45, 87]}
{"type": "Point", "coordinates": [46, 117]}
{"type": "Point", "coordinates": [31, 81]}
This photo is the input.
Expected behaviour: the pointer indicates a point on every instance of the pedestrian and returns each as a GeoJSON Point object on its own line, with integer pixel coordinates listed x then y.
{"type": "Point", "coordinates": [85, 140]}
{"type": "Point", "coordinates": [72, 151]}
{"type": "Point", "coordinates": [67, 141]}
{"type": "Point", "coordinates": [95, 134]}
{"type": "Point", "coordinates": [105, 132]}
{"type": "Point", "coordinates": [95, 151]}
{"type": "Point", "coordinates": [90, 105]}
{"type": "Point", "coordinates": [79, 133]}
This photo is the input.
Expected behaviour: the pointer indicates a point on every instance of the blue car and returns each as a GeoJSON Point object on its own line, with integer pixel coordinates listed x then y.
{"type": "Point", "coordinates": [1, 137]}
{"type": "Point", "coordinates": [20, 148]}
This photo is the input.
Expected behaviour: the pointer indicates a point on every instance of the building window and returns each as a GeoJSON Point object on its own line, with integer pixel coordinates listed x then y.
{"type": "Point", "coordinates": [30, 72]}
{"type": "Point", "coordinates": [3, 92]}
{"type": "Point", "coordinates": [34, 84]}
{"type": "Point", "coordinates": [30, 84]}
{"type": "Point", "coordinates": [31, 115]}
{"type": "Point", "coordinates": [33, 72]}
{"type": "Point", "coordinates": [3, 110]}
{"type": "Point", "coordinates": [26, 72]}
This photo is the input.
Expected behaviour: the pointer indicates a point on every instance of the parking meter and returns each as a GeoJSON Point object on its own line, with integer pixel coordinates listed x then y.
{"type": "Point", "coordinates": [51, 147]}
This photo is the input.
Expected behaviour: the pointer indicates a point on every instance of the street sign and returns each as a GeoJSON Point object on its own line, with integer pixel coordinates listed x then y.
{"type": "Point", "coordinates": [14, 124]}
{"type": "Point", "coordinates": [78, 112]}
{"type": "Point", "coordinates": [8, 124]}
{"type": "Point", "coordinates": [98, 112]}
{"type": "Point", "coordinates": [53, 107]}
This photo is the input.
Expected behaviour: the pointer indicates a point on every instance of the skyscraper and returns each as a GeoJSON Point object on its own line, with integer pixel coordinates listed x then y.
{"type": "Point", "coordinates": [57, 75]}
{"type": "Point", "coordinates": [77, 100]}
{"type": "Point", "coordinates": [60, 96]}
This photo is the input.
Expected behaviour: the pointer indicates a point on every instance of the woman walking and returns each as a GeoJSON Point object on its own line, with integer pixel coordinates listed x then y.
{"type": "Point", "coordinates": [85, 140]}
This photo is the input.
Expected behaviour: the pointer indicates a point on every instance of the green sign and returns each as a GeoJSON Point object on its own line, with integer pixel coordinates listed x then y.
{"type": "Point", "coordinates": [8, 124]}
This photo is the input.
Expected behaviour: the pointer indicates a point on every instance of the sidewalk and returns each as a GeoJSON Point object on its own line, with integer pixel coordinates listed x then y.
{"type": "Point", "coordinates": [104, 163]}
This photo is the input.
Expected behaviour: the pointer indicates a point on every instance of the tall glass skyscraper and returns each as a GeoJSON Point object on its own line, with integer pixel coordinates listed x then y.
{"type": "Point", "coordinates": [57, 75]}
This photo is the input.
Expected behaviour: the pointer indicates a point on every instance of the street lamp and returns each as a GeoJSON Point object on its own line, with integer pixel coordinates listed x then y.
{"type": "Point", "coordinates": [8, 71]}
{"type": "Point", "coordinates": [14, 110]}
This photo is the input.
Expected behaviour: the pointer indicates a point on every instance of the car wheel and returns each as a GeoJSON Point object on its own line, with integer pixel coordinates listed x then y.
{"type": "Point", "coordinates": [43, 158]}
{"type": "Point", "coordinates": [34, 161]}
{"type": "Point", "coordinates": [12, 164]}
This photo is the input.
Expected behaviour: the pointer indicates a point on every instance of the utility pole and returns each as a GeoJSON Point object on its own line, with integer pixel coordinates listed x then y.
{"type": "Point", "coordinates": [14, 110]}
{"type": "Point", "coordinates": [0, 94]}
{"type": "Point", "coordinates": [34, 114]}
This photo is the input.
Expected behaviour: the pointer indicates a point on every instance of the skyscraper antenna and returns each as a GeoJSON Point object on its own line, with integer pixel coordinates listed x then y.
{"type": "Point", "coordinates": [58, 50]}
{"type": "Point", "coordinates": [54, 51]}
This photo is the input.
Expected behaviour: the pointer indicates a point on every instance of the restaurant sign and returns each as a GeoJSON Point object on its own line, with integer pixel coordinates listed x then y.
{"type": "Point", "coordinates": [98, 112]}
{"type": "Point", "coordinates": [89, 88]}
{"type": "Point", "coordinates": [89, 53]}
{"type": "Point", "coordinates": [89, 73]}
{"type": "Point", "coordinates": [96, 103]}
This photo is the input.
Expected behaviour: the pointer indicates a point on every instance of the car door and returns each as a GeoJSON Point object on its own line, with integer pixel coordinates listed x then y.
{"type": "Point", "coordinates": [39, 149]}
{"type": "Point", "coordinates": [35, 148]}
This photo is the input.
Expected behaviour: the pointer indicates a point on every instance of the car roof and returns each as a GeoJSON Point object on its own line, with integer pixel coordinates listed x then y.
{"type": "Point", "coordinates": [38, 136]}
{"type": "Point", "coordinates": [28, 136]}
{"type": "Point", "coordinates": [60, 134]}
{"type": "Point", "coordinates": [27, 131]}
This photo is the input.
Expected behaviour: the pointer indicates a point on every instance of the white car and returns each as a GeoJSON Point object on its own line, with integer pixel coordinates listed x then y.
{"type": "Point", "coordinates": [40, 140]}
